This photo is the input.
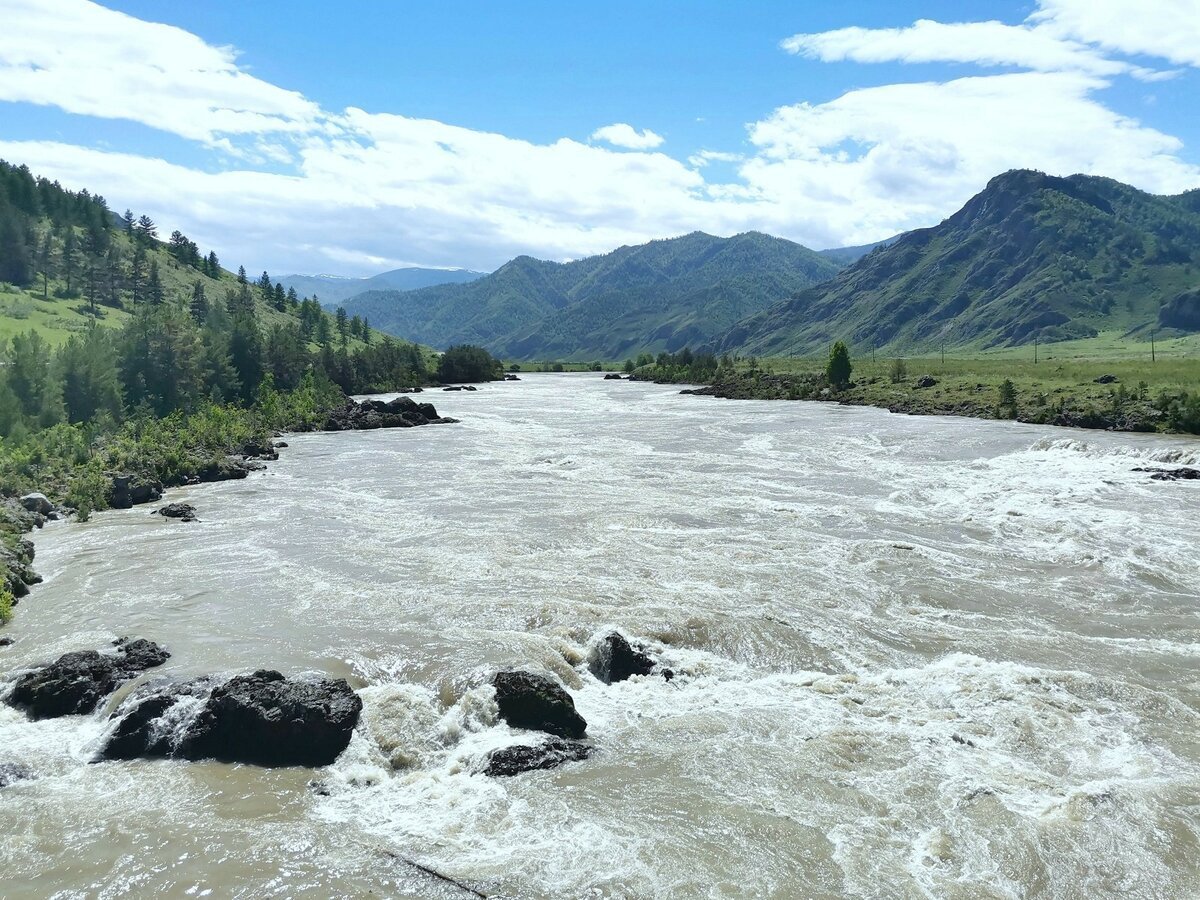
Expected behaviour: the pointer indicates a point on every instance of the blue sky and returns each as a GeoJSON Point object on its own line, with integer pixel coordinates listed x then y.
{"type": "Point", "coordinates": [355, 138]}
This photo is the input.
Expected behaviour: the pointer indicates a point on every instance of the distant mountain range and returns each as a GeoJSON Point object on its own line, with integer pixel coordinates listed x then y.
{"type": "Point", "coordinates": [1031, 256]}
{"type": "Point", "coordinates": [663, 295]}
{"type": "Point", "coordinates": [332, 289]}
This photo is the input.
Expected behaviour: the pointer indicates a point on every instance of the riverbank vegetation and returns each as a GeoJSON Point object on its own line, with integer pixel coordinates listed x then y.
{"type": "Point", "coordinates": [1128, 394]}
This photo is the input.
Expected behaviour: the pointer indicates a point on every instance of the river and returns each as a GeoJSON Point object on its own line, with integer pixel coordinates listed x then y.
{"type": "Point", "coordinates": [915, 657]}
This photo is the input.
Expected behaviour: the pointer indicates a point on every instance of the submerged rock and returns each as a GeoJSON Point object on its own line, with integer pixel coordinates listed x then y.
{"type": "Point", "coordinates": [616, 659]}
{"type": "Point", "coordinates": [1183, 473]}
{"type": "Point", "coordinates": [11, 773]}
{"type": "Point", "coordinates": [508, 761]}
{"type": "Point", "coordinates": [76, 682]}
{"type": "Point", "coordinates": [537, 702]}
{"type": "Point", "coordinates": [185, 512]}
{"type": "Point", "coordinates": [264, 719]}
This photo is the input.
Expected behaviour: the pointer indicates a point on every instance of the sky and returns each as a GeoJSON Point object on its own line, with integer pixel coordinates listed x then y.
{"type": "Point", "coordinates": [309, 137]}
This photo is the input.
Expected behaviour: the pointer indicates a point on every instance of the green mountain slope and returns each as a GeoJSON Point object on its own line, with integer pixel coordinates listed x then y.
{"type": "Point", "coordinates": [1030, 257]}
{"type": "Point", "coordinates": [661, 295]}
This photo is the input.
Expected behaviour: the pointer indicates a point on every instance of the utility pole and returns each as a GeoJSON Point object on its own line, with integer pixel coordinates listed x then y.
{"type": "Point", "coordinates": [1035, 345]}
{"type": "Point", "coordinates": [1151, 345]}
{"type": "Point", "coordinates": [943, 353]}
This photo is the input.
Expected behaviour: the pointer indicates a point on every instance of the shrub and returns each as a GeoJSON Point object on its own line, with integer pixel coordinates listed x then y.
{"type": "Point", "coordinates": [6, 606]}
{"type": "Point", "coordinates": [467, 362]}
{"type": "Point", "coordinates": [899, 371]}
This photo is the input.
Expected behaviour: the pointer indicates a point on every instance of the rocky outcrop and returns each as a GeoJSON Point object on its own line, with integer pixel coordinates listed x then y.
{"type": "Point", "coordinates": [263, 719]}
{"type": "Point", "coordinates": [185, 512]}
{"type": "Point", "coordinates": [616, 659]}
{"type": "Point", "coordinates": [76, 682]}
{"type": "Point", "coordinates": [537, 702]}
{"type": "Point", "coordinates": [16, 564]}
{"type": "Point", "coordinates": [37, 503]}
{"type": "Point", "coordinates": [130, 490]}
{"type": "Point", "coordinates": [509, 761]}
{"type": "Point", "coordinates": [403, 412]}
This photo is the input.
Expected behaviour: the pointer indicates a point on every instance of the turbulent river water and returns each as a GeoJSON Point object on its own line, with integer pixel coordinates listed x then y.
{"type": "Point", "coordinates": [915, 657]}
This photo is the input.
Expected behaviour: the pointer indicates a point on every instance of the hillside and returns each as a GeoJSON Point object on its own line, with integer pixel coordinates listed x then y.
{"type": "Point", "coordinates": [1030, 257]}
{"type": "Point", "coordinates": [332, 289]}
{"type": "Point", "coordinates": [657, 296]}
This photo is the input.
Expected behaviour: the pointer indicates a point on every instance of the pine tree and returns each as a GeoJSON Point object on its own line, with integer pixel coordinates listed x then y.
{"type": "Point", "coordinates": [147, 231]}
{"type": "Point", "coordinates": [154, 287]}
{"type": "Point", "coordinates": [279, 298]}
{"type": "Point", "coordinates": [198, 305]}
{"type": "Point", "coordinates": [342, 323]}
{"type": "Point", "coordinates": [838, 369]}
{"type": "Point", "coordinates": [128, 220]}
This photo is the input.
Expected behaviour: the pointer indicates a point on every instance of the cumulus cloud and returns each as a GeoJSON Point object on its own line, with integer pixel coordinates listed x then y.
{"type": "Point", "coordinates": [622, 135]}
{"type": "Point", "coordinates": [87, 59]}
{"type": "Point", "coordinates": [358, 191]}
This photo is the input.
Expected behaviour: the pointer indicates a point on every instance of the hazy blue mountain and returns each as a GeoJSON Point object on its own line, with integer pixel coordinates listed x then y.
{"type": "Point", "coordinates": [657, 296]}
{"type": "Point", "coordinates": [844, 256]}
{"type": "Point", "coordinates": [332, 289]}
{"type": "Point", "coordinates": [1031, 256]}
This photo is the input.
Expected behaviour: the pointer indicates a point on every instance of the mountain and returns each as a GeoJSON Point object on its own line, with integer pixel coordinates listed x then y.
{"type": "Point", "coordinates": [332, 289]}
{"type": "Point", "coordinates": [844, 256]}
{"type": "Point", "coordinates": [1031, 256]}
{"type": "Point", "coordinates": [662, 295]}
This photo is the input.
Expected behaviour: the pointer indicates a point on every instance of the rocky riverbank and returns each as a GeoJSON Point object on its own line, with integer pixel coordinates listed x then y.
{"type": "Point", "coordinates": [147, 482]}
{"type": "Point", "coordinates": [1095, 407]}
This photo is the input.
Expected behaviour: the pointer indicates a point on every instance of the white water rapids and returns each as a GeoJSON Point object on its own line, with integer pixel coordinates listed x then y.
{"type": "Point", "coordinates": [915, 657]}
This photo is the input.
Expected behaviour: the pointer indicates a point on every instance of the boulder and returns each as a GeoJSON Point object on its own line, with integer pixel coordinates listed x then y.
{"type": "Point", "coordinates": [263, 719]}
{"type": "Point", "coordinates": [926, 381]}
{"type": "Point", "coordinates": [11, 773]}
{"type": "Point", "coordinates": [1106, 379]}
{"type": "Point", "coordinates": [130, 490]}
{"type": "Point", "coordinates": [509, 761]}
{"type": "Point", "coordinates": [616, 659]}
{"type": "Point", "coordinates": [280, 445]}
{"type": "Point", "coordinates": [454, 387]}
{"type": "Point", "coordinates": [6, 641]}
{"type": "Point", "coordinates": [37, 503]}
{"type": "Point", "coordinates": [402, 412]}
{"type": "Point", "coordinates": [76, 682]}
{"type": "Point", "coordinates": [537, 702]}
{"type": "Point", "coordinates": [511, 377]}
{"type": "Point", "coordinates": [612, 376]}
{"type": "Point", "coordinates": [185, 512]}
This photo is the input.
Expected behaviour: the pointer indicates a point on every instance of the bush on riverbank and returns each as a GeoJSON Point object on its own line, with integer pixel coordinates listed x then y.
{"type": "Point", "coordinates": [467, 363]}
{"type": "Point", "coordinates": [6, 606]}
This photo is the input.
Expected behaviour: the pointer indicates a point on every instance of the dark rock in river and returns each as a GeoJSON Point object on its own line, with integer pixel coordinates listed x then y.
{"type": "Point", "coordinates": [511, 377]}
{"type": "Point", "coordinates": [37, 503]}
{"type": "Point", "coordinates": [11, 773]}
{"type": "Point", "coordinates": [612, 376]}
{"type": "Point", "coordinates": [185, 512]}
{"type": "Point", "coordinates": [508, 761]}
{"type": "Point", "coordinates": [6, 641]}
{"type": "Point", "coordinates": [538, 703]}
{"type": "Point", "coordinates": [75, 683]}
{"type": "Point", "coordinates": [616, 659]}
{"type": "Point", "coordinates": [402, 412]}
{"type": "Point", "coordinates": [130, 490]}
{"type": "Point", "coordinates": [264, 719]}
{"type": "Point", "coordinates": [1160, 474]}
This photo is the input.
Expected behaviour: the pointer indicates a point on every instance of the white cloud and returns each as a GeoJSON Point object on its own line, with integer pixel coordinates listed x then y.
{"type": "Point", "coordinates": [982, 43]}
{"type": "Point", "coordinates": [1169, 29]}
{"type": "Point", "coordinates": [622, 135]}
{"type": "Point", "coordinates": [90, 60]}
{"type": "Point", "coordinates": [362, 190]}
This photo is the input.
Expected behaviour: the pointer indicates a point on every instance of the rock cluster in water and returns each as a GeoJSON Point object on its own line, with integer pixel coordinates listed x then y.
{"type": "Point", "coordinates": [76, 682]}
{"type": "Point", "coordinates": [185, 512]}
{"type": "Point", "coordinates": [403, 412]}
{"type": "Point", "coordinates": [263, 718]}
{"type": "Point", "coordinates": [1157, 473]}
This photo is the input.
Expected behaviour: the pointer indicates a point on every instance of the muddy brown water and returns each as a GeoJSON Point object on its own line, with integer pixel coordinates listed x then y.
{"type": "Point", "coordinates": [916, 657]}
